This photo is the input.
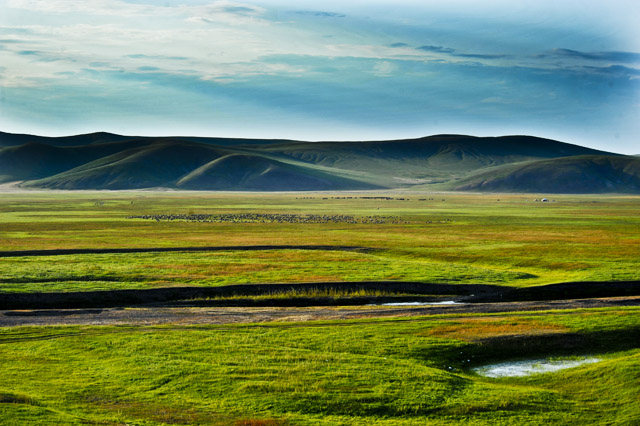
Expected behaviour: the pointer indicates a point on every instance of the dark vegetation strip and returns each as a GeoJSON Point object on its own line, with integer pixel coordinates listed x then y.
{"type": "Point", "coordinates": [571, 290]}
{"type": "Point", "coordinates": [271, 218]}
{"type": "Point", "coordinates": [114, 298]}
{"type": "Point", "coordinates": [62, 252]}
{"type": "Point", "coordinates": [197, 296]}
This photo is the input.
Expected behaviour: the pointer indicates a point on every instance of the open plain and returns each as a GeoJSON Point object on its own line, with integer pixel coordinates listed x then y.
{"type": "Point", "coordinates": [316, 308]}
{"type": "Point", "coordinates": [319, 213]}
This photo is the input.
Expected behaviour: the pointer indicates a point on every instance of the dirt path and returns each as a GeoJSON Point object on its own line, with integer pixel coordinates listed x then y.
{"type": "Point", "coordinates": [218, 315]}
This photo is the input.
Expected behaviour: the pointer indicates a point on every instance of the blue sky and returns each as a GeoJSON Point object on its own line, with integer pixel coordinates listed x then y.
{"type": "Point", "coordinates": [323, 70]}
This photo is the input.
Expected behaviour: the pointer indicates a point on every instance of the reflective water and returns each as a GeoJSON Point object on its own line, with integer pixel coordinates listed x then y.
{"type": "Point", "coordinates": [446, 302]}
{"type": "Point", "coordinates": [529, 367]}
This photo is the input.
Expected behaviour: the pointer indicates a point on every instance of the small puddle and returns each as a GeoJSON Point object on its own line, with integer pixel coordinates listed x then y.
{"type": "Point", "coordinates": [447, 302]}
{"type": "Point", "coordinates": [527, 368]}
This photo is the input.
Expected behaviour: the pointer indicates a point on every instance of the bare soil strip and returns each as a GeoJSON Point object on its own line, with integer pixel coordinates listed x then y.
{"type": "Point", "coordinates": [190, 315]}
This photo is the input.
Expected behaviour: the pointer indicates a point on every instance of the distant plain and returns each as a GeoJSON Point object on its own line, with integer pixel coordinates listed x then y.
{"type": "Point", "coordinates": [446, 237]}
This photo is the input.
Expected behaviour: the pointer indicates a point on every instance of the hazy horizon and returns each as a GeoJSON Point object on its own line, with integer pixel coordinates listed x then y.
{"type": "Point", "coordinates": [568, 71]}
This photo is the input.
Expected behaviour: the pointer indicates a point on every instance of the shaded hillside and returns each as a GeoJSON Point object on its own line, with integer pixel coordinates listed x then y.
{"type": "Point", "coordinates": [581, 174]}
{"type": "Point", "coordinates": [178, 164]}
{"type": "Point", "coordinates": [451, 162]}
{"type": "Point", "coordinates": [14, 139]}
{"type": "Point", "coordinates": [250, 172]}
{"type": "Point", "coordinates": [35, 160]}
{"type": "Point", "coordinates": [157, 164]}
{"type": "Point", "coordinates": [450, 153]}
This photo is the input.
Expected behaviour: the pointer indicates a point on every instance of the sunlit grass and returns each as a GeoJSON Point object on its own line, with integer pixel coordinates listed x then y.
{"type": "Point", "coordinates": [386, 372]}
{"type": "Point", "coordinates": [148, 270]}
{"type": "Point", "coordinates": [467, 238]}
{"type": "Point", "coordinates": [407, 371]}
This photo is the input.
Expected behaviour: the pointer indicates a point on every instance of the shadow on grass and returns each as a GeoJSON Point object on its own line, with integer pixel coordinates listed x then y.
{"type": "Point", "coordinates": [125, 250]}
{"type": "Point", "coordinates": [197, 296]}
{"type": "Point", "coordinates": [520, 347]}
{"type": "Point", "coordinates": [295, 294]}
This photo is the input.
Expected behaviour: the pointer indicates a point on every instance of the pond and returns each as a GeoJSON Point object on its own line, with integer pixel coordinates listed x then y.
{"type": "Point", "coordinates": [446, 302]}
{"type": "Point", "coordinates": [529, 367]}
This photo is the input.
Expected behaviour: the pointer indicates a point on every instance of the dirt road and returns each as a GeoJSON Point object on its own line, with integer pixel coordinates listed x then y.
{"type": "Point", "coordinates": [228, 315]}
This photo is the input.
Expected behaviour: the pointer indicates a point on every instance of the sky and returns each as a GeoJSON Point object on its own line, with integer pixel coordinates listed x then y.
{"type": "Point", "coordinates": [324, 70]}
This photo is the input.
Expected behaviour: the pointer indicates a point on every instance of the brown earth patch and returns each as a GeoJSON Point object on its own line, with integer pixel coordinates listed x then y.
{"type": "Point", "coordinates": [228, 315]}
{"type": "Point", "coordinates": [476, 329]}
{"type": "Point", "coordinates": [261, 422]}
{"type": "Point", "coordinates": [155, 412]}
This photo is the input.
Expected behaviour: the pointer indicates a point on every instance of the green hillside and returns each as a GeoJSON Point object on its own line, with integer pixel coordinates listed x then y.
{"type": "Point", "coordinates": [442, 152]}
{"type": "Point", "coordinates": [579, 175]}
{"type": "Point", "coordinates": [252, 172]}
{"type": "Point", "coordinates": [35, 160]}
{"type": "Point", "coordinates": [14, 139]}
{"type": "Point", "coordinates": [157, 164]}
{"type": "Point", "coordinates": [442, 162]}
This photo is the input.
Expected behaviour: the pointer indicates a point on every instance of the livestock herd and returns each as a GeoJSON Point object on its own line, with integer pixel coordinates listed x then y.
{"type": "Point", "coordinates": [272, 218]}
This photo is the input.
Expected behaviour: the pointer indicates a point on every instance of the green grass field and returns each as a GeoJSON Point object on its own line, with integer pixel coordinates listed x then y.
{"type": "Point", "coordinates": [448, 238]}
{"type": "Point", "coordinates": [386, 372]}
{"type": "Point", "coordinates": [376, 372]}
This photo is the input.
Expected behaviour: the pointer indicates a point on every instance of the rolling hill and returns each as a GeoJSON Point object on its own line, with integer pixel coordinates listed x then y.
{"type": "Point", "coordinates": [442, 162]}
{"type": "Point", "coordinates": [576, 175]}
{"type": "Point", "coordinates": [160, 163]}
{"type": "Point", "coordinates": [14, 139]}
{"type": "Point", "coordinates": [34, 160]}
{"type": "Point", "coordinates": [256, 173]}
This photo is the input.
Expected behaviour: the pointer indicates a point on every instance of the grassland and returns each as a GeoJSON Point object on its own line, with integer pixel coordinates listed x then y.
{"type": "Point", "coordinates": [375, 371]}
{"type": "Point", "coordinates": [494, 239]}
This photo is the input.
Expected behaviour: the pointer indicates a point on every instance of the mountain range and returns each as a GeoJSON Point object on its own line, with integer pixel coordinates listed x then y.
{"type": "Point", "coordinates": [442, 162]}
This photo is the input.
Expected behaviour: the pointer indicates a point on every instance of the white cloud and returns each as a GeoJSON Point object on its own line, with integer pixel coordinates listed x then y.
{"type": "Point", "coordinates": [91, 7]}
{"type": "Point", "coordinates": [498, 100]}
{"type": "Point", "coordinates": [221, 38]}
{"type": "Point", "coordinates": [226, 12]}
{"type": "Point", "coordinates": [384, 69]}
